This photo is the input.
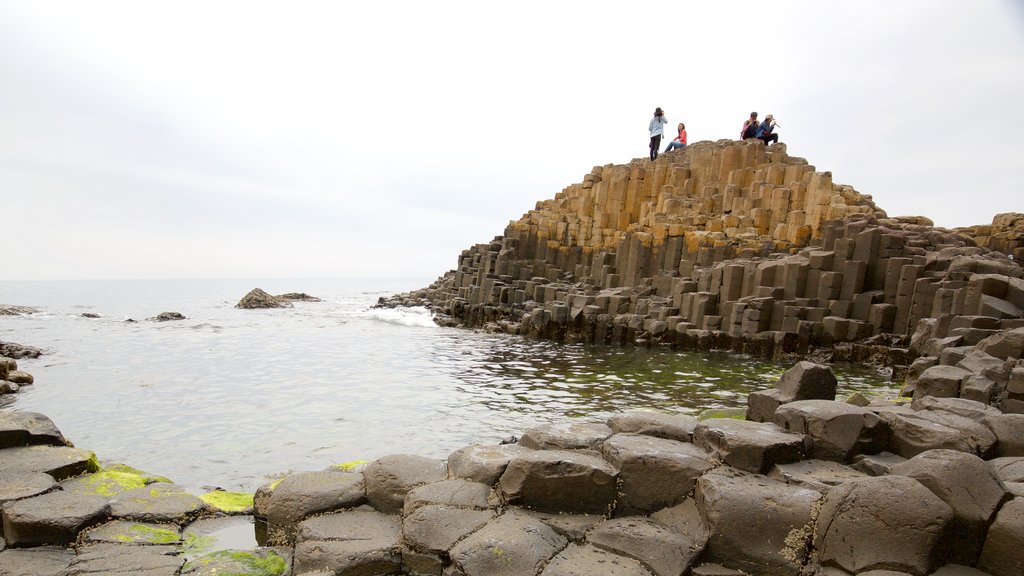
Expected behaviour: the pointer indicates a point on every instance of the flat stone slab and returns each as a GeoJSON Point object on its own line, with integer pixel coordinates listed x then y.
{"type": "Point", "coordinates": [390, 478]}
{"type": "Point", "coordinates": [510, 545]}
{"type": "Point", "coordinates": [28, 428]}
{"type": "Point", "coordinates": [42, 561]}
{"type": "Point", "coordinates": [660, 550]}
{"type": "Point", "coordinates": [138, 533]}
{"type": "Point", "coordinates": [587, 560]}
{"type": "Point", "coordinates": [351, 525]}
{"type": "Point", "coordinates": [915, 432]}
{"type": "Point", "coordinates": [299, 496]}
{"type": "Point", "coordinates": [55, 518]}
{"type": "Point", "coordinates": [436, 528]}
{"type": "Point", "coordinates": [566, 436]}
{"type": "Point", "coordinates": [572, 526]}
{"type": "Point", "coordinates": [838, 431]}
{"type": "Point", "coordinates": [157, 503]}
{"type": "Point", "coordinates": [559, 481]}
{"type": "Point", "coordinates": [958, 406]}
{"type": "Point", "coordinates": [654, 472]}
{"type": "Point", "coordinates": [669, 426]}
{"type": "Point", "coordinates": [458, 492]}
{"type": "Point", "coordinates": [58, 461]}
{"type": "Point", "coordinates": [819, 475]}
{"type": "Point", "coordinates": [877, 464]}
{"type": "Point", "coordinates": [258, 562]}
{"type": "Point", "coordinates": [17, 485]}
{"type": "Point", "coordinates": [751, 446]}
{"type": "Point", "coordinates": [126, 559]}
{"type": "Point", "coordinates": [369, 557]}
{"type": "Point", "coordinates": [484, 464]}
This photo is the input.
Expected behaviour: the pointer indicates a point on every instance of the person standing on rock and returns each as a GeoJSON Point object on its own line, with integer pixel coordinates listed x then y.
{"type": "Point", "coordinates": [764, 131]}
{"type": "Point", "coordinates": [680, 141]}
{"type": "Point", "coordinates": [749, 127]}
{"type": "Point", "coordinates": [657, 128]}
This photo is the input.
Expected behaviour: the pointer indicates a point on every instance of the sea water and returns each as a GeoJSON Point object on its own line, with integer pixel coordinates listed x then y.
{"type": "Point", "coordinates": [230, 397]}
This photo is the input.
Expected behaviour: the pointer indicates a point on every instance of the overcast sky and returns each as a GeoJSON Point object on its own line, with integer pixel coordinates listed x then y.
{"type": "Point", "coordinates": [333, 139]}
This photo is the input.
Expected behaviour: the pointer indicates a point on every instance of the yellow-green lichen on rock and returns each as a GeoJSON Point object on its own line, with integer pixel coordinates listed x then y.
{"type": "Point", "coordinates": [734, 413]}
{"type": "Point", "coordinates": [351, 466]}
{"type": "Point", "coordinates": [110, 480]}
{"type": "Point", "coordinates": [193, 544]}
{"type": "Point", "coordinates": [140, 533]}
{"type": "Point", "coordinates": [229, 502]}
{"type": "Point", "coordinates": [237, 563]}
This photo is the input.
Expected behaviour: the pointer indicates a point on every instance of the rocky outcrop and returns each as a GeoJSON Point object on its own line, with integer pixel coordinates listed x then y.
{"type": "Point", "coordinates": [1005, 234]}
{"type": "Point", "coordinates": [167, 317]}
{"type": "Point", "coordinates": [257, 298]}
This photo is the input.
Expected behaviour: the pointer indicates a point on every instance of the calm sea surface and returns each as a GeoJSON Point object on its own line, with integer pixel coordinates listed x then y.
{"type": "Point", "coordinates": [232, 397]}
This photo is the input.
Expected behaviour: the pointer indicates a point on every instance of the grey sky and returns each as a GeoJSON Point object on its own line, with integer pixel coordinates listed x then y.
{"type": "Point", "coordinates": [325, 139]}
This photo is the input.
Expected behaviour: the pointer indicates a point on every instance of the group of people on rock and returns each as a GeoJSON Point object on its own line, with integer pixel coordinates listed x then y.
{"type": "Point", "coordinates": [765, 131]}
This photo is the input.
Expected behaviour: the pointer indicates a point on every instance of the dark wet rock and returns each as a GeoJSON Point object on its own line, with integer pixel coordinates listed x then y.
{"type": "Point", "coordinates": [436, 528]}
{"type": "Point", "coordinates": [299, 297]}
{"type": "Point", "coordinates": [819, 475]}
{"type": "Point", "coordinates": [876, 464]}
{"type": "Point", "coordinates": [157, 503]}
{"type": "Point", "coordinates": [54, 518]}
{"type": "Point", "coordinates": [647, 541]}
{"type": "Point", "coordinates": [19, 351]}
{"type": "Point", "coordinates": [118, 559]}
{"type": "Point", "coordinates": [510, 545]}
{"type": "Point", "coordinates": [572, 526]}
{"type": "Point", "coordinates": [257, 298]}
{"type": "Point", "coordinates": [916, 432]}
{"type": "Point", "coordinates": [41, 561]}
{"type": "Point", "coordinates": [969, 486]}
{"type": "Point", "coordinates": [941, 381]}
{"type": "Point", "coordinates": [886, 522]}
{"type": "Point", "coordinates": [1001, 554]}
{"type": "Point", "coordinates": [1008, 468]}
{"type": "Point", "coordinates": [744, 532]}
{"type": "Point", "coordinates": [354, 542]}
{"type": "Point", "coordinates": [390, 478]}
{"type": "Point", "coordinates": [566, 436]}
{"type": "Point", "coordinates": [959, 406]}
{"type": "Point", "coordinates": [18, 485]}
{"type": "Point", "coordinates": [167, 317]}
{"type": "Point", "coordinates": [417, 563]}
{"type": "Point", "coordinates": [559, 481]}
{"type": "Point", "coordinates": [20, 378]}
{"type": "Point", "coordinates": [751, 446]}
{"type": "Point", "coordinates": [258, 562]}
{"type": "Point", "coordinates": [28, 428]}
{"type": "Point", "coordinates": [587, 560]}
{"type": "Point", "coordinates": [804, 381]}
{"type": "Point", "coordinates": [58, 461]}
{"type": "Point", "coordinates": [838, 431]}
{"type": "Point", "coordinates": [685, 519]}
{"type": "Point", "coordinates": [482, 463]}
{"type": "Point", "coordinates": [11, 310]}
{"type": "Point", "coordinates": [8, 387]}
{"type": "Point", "coordinates": [136, 533]}
{"type": "Point", "coordinates": [668, 426]}
{"type": "Point", "coordinates": [458, 492]}
{"type": "Point", "coordinates": [301, 495]}
{"type": "Point", "coordinates": [654, 473]}
{"type": "Point", "coordinates": [92, 315]}
{"type": "Point", "coordinates": [1009, 431]}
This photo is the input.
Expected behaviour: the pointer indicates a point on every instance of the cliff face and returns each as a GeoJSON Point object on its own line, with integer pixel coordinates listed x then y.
{"type": "Point", "coordinates": [728, 245]}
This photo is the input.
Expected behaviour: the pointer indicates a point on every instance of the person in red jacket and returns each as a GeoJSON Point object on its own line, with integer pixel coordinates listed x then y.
{"type": "Point", "coordinates": [679, 141]}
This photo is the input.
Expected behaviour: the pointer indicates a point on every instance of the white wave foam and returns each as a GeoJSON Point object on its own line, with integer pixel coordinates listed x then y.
{"type": "Point", "coordinates": [416, 316]}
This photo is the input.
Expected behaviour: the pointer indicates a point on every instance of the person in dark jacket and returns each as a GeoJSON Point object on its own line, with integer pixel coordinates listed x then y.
{"type": "Point", "coordinates": [765, 131]}
{"type": "Point", "coordinates": [749, 127]}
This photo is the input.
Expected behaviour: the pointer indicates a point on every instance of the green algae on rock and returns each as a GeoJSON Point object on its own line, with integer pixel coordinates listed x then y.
{"type": "Point", "coordinates": [262, 562]}
{"type": "Point", "coordinates": [734, 413]}
{"type": "Point", "coordinates": [351, 466]}
{"type": "Point", "coordinates": [126, 532]}
{"type": "Point", "coordinates": [114, 479]}
{"type": "Point", "coordinates": [229, 502]}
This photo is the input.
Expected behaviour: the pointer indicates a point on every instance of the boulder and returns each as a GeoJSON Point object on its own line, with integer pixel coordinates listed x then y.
{"type": "Point", "coordinates": [167, 317]}
{"type": "Point", "coordinates": [157, 503]}
{"type": "Point", "coordinates": [756, 524]}
{"type": "Point", "coordinates": [751, 446]}
{"type": "Point", "coordinates": [804, 381]}
{"type": "Point", "coordinates": [1008, 344]}
{"type": "Point", "coordinates": [566, 436]}
{"type": "Point", "coordinates": [818, 475]}
{"type": "Point", "coordinates": [969, 486]}
{"type": "Point", "coordinates": [1001, 554]}
{"type": "Point", "coordinates": [390, 478]}
{"type": "Point", "coordinates": [436, 528]}
{"type": "Point", "coordinates": [654, 473]}
{"type": "Point", "coordinates": [885, 522]}
{"type": "Point", "coordinates": [1009, 431]}
{"type": "Point", "coordinates": [58, 461]}
{"type": "Point", "coordinates": [257, 298]}
{"type": "Point", "coordinates": [876, 464]}
{"type": "Point", "coordinates": [17, 351]}
{"type": "Point", "coordinates": [838, 431]}
{"type": "Point", "coordinates": [916, 432]}
{"type": "Point", "coordinates": [484, 464]}
{"type": "Point", "coordinates": [456, 492]}
{"type": "Point", "coordinates": [20, 378]}
{"type": "Point", "coordinates": [559, 481]}
{"type": "Point", "coordinates": [958, 406]}
{"type": "Point", "coordinates": [16, 485]}
{"type": "Point", "coordinates": [940, 381]}
{"type": "Point", "coordinates": [978, 362]}
{"type": "Point", "coordinates": [587, 560]}
{"type": "Point", "coordinates": [668, 426]}
{"type": "Point", "coordinates": [510, 545]}
{"type": "Point", "coordinates": [1008, 468]}
{"type": "Point", "coordinates": [42, 561]}
{"type": "Point", "coordinates": [54, 518]}
{"type": "Point", "coordinates": [28, 428]}
{"type": "Point", "coordinates": [301, 495]}
{"type": "Point", "coordinates": [353, 542]}
{"type": "Point", "coordinates": [660, 550]}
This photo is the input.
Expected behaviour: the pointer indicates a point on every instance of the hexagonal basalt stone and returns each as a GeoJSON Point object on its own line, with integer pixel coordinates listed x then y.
{"type": "Point", "coordinates": [566, 436]}
{"type": "Point", "coordinates": [42, 561]}
{"type": "Point", "coordinates": [353, 542]}
{"type": "Point", "coordinates": [668, 426]}
{"type": "Point", "coordinates": [299, 496]}
{"type": "Point", "coordinates": [28, 428]}
{"type": "Point", "coordinates": [390, 478]}
{"type": "Point", "coordinates": [661, 550]}
{"type": "Point", "coordinates": [484, 464]}
{"type": "Point", "coordinates": [457, 492]}
{"type": "Point", "coordinates": [19, 485]}
{"type": "Point", "coordinates": [58, 461]}
{"type": "Point", "coordinates": [157, 503]}
{"type": "Point", "coordinates": [55, 518]}
{"type": "Point", "coordinates": [751, 446]}
{"type": "Point", "coordinates": [125, 559]}
{"type": "Point", "coordinates": [559, 481]}
{"type": "Point", "coordinates": [838, 430]}
{"type": "Point", "coordinates": [587, 560]}
{"type": "Point", "coordinates": [138, 533]}
{"type": "Point", "coordinates": [510, 545]}
{"type": "Point", "coordinates": [1001, 554]}
{"type": "Point", "coordinates": [435, 528]}
{"type": "Point", "coordinates": [654, 472]}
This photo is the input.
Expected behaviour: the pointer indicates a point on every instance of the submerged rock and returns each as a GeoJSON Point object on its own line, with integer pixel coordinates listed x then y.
{"type": "Point", "coordinates": [299, 297]}
{"type": "Point", "coordinates": [167, 317]}
{"type": "Point", "coordinates": [19, 351]}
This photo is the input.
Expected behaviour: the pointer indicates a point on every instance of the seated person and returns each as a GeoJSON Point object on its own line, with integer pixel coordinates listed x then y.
{"type": "Point", "coordinates": [749, 127]}
{"type": "Point", "coordinates": [679, 141]}
{"type": "Point", "coordinates": [764, 131]}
